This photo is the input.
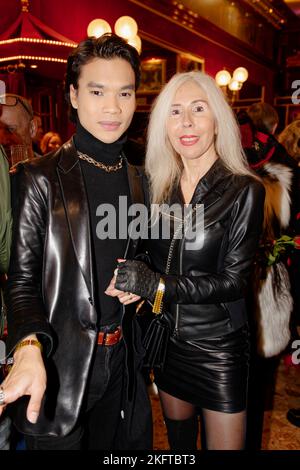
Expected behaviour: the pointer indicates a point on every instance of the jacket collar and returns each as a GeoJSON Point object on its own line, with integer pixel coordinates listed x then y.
{"type": "Point", "coordinates": [212, 185]}
{"type": "Point", "coordinates": [135, 182]}
{"type": "Point", "coordinates": [68, 156]}
{"type": "Point", "coordinates": [76, 205]}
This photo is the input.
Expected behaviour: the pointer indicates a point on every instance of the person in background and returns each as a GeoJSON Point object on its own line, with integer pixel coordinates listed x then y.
{"type": "Point", "coordinates": [264, 117]}
{"type": "Point", "coordinates": [258, 128]}
{"type": "Point", "coordinates": [85, 390]}
{"type": "Point", "coordinates": [5, 241]}
{"type": "Point", "coordinates": [50, 141]}
{"type": "Point", "coordinates": [7, 139]}
{"type": "Point", "coordinates": [290, 139]}
{"type": "Point", "coordinates": [194, 156]}
{"type": "Point", "coordinates": [17, 119]}
{"type": "Point", "coordinates": [36, 141]}
{"type": "Point", "coordinates": [271, 298]}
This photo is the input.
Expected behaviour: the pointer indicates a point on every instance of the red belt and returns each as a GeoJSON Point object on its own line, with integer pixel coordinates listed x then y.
{"type": "Point", "coordinates": [109, 339]}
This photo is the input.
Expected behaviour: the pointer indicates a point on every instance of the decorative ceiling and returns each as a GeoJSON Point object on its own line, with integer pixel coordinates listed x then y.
{"type": "Point", "coordinates": [214, 10]}
{"type": "Point", "coordinates": [30, 42]}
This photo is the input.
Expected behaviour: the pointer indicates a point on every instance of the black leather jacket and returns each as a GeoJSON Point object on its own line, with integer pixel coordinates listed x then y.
{"type": "Point", "coordinates": [50, 286]}
{"type": "Point", "coordinates": [206, 297]}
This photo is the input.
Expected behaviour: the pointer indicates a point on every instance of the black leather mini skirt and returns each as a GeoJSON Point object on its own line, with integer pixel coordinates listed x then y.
{"type": "Point", "coordinates": [210, 373]}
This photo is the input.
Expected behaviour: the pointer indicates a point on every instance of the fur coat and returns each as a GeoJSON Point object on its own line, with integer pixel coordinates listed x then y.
{"type": "Point", "coordinates": [273, 300]}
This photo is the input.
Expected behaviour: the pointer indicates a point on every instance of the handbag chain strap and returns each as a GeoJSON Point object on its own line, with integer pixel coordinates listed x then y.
{"type": "Point", "coordinates": [179, 228]}
{"type": "Point", "coordinates": [172, 245]}
{"type": "Point", "coordinates": [177, 231]}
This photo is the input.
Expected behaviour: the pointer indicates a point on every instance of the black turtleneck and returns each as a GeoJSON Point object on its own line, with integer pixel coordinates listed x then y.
{"type": "Point", "coordinates": [98, 150]}
{"type": "Point", "coordinates": [104, 188]}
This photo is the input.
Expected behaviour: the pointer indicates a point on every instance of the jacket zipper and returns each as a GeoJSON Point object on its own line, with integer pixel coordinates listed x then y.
{"type": "Point", "coordinates": [176, 329]}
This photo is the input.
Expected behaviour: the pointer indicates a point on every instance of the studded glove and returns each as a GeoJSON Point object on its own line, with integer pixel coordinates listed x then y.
{"type": "Point", "coordinates": [135, 276]}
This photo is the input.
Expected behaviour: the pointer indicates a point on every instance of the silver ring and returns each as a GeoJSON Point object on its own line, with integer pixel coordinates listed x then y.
{"type": "Point", "coordinates": [2, 401]}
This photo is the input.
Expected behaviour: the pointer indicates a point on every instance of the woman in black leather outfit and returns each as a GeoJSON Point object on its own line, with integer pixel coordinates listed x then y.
{"type": "Point", "coordinates": [195, 157]}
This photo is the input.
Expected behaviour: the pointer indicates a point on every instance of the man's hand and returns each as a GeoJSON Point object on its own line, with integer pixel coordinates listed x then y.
{"type": "Point", "coordinates": [125, 298]}
{"type": "Point", "coordinates": [27, 377]}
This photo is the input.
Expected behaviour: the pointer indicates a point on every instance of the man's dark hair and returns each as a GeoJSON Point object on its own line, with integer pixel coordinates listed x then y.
{"type": "Point", "coordinates": [108, 46]}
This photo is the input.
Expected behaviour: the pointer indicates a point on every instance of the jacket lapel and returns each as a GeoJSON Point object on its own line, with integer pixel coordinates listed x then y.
{"type": "Point", "coordinates": [135, 180]}
{"type": "Point", "coordinates": [209, 191]}
{"type": "Point", "coordinates": [211, 187]}
{"type": "Point", "coordinates": [135, 185]}
{"type": "Point", "coordinates": [76, 207]}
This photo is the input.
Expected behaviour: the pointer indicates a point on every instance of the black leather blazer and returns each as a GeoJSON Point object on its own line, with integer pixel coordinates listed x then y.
{"type": "Point", "coordinates": [206, 297]}
{"type": "Point", "coordinates": [50, 285]}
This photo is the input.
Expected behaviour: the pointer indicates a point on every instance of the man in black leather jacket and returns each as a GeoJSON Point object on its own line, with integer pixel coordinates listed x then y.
{"type": "Point", "coordinates": [86, 382]}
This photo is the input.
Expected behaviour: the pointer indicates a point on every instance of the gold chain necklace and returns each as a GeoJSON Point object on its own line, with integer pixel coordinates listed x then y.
{"type": "Point", "coordinates": [107, 168]}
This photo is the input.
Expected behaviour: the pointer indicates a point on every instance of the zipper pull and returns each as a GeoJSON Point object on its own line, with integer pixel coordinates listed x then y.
{"type": "Point", "coordinates": [175, 333]}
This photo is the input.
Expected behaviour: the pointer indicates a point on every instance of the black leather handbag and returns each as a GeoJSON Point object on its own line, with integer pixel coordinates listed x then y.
{"type": "Point", "coordinates": [156, 343]}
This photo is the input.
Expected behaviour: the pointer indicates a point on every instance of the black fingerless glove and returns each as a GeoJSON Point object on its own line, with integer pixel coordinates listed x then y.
{"type": "Point", "coordinates": [135, 276]}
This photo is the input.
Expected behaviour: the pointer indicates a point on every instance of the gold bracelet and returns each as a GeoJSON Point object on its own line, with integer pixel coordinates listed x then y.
{"type": "Point", "coordinates": [157, 306]}
{"type": "Point", "coordinates": [29, 342]}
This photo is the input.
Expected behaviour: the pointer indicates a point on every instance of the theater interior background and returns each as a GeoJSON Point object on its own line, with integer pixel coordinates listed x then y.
{"type": "Point", "coordinates": [262, 36]}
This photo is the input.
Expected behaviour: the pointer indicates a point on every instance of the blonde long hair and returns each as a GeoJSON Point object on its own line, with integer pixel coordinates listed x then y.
{"type": "Point", "coordinates": [163, 165]}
